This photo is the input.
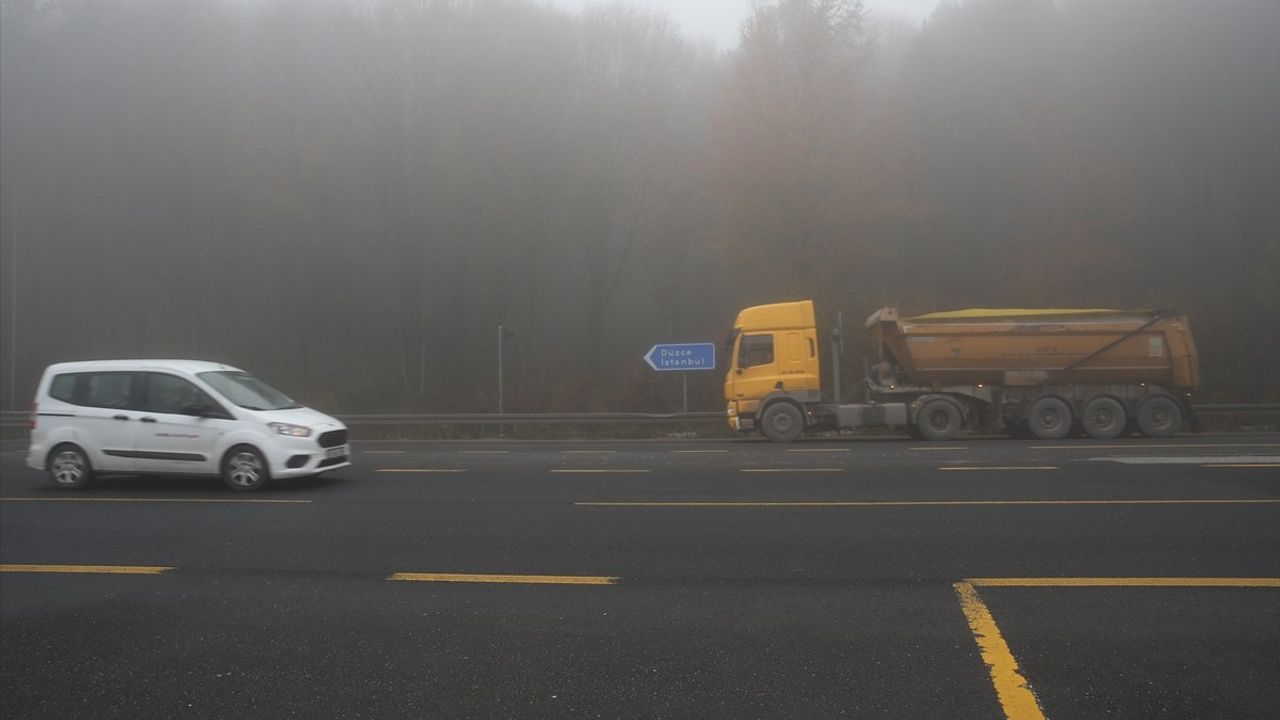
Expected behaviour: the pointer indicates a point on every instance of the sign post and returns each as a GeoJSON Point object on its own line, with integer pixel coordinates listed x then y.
{"type": "Point", "coordinates": [682, 357]}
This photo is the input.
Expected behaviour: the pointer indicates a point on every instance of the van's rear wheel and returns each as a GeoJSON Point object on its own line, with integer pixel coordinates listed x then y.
{"type": "Point", "coordinates": [1049, 418]}
{"type": "Point", "coordinates": [245, 470]}
{"type": "Point", "coordinates": [1104, 418]}
{"type": "Point", "coordinates": [782, 422]}
{"type": "Point", "coordinates": [938, 420]}
{"type": "Point", "coordinates": [69, 467]}
{"type": "Point", "coordinates": [1159, 416]}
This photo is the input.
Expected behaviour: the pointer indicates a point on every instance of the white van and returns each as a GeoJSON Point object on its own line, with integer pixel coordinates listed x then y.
{"type": "Point", "coordinates": [181, 417]}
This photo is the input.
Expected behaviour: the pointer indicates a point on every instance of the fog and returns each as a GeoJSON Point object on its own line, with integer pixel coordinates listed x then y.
{"type": "Point", "coordinates": [348, 198]}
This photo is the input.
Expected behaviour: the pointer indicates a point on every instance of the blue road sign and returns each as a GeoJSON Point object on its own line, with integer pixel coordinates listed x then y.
{"type": "Point", "coordinates": [682, 356]}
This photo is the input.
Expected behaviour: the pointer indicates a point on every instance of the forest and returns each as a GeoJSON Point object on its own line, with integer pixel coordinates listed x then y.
{"type": "Point", "coordinates": [348, 198]}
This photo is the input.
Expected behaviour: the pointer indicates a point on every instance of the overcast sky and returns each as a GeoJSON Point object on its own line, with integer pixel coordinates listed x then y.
{"type": "Point", "coordinates": [720, 20]}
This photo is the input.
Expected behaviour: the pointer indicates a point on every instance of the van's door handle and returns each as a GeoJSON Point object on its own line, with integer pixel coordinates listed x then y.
{"type": "Point", "coordinates": [147, 419]}
{"type": "Point", "coordinates": [119, 417]}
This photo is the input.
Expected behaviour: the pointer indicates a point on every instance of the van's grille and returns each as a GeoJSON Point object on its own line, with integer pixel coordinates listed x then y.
{"type": "Point", "coordinates": [333, 438]}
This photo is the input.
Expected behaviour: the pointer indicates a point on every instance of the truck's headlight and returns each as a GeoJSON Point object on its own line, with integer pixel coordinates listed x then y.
{"type": "Point", "coordinates": [287, 429]}
{"type": "Point", "coordinates": [732, 409]}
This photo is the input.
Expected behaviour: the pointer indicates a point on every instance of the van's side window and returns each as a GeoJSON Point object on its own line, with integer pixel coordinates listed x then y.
{"type": "Point", "coordinates": [63, 388]}
{"type": "Point", "coordinates": [108, 389]}
{"type": "Point", "coordinates": [169, 394]}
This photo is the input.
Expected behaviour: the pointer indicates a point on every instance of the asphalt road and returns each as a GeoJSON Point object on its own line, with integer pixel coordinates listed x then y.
{"type": "Point", "coordinates": [688, 579]}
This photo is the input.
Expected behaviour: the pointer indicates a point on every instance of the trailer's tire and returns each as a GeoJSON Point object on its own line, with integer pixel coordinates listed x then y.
{"type": "Point", "coordinates": [1049, 418]}
{"type": "Point", "coordinates": [782, 422]}
{"type": "Point", "coordinates": [1159, 416]}
{"type": "Point", "coordinates": [1104, 418]}
{"type": "Point", "coordinates": [938, 420]}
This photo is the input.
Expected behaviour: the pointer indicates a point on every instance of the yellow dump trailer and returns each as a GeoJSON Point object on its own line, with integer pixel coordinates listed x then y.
{"type": "Point", "coordinates": [1032, 347]}
{"type": "Point", "coordinates": [1035, 371]}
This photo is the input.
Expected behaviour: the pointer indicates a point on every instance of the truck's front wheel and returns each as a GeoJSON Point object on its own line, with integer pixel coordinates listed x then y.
{"type": "Point", "coordinates": [782, 422]}
{"type": "Point", "coordinates": [939, 420]}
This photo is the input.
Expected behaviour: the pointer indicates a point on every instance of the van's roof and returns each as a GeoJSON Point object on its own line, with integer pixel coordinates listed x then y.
{"type": "Point", "coordinates": [190, 366]}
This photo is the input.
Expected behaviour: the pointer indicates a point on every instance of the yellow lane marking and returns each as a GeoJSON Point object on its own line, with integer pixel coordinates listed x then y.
{"type": "Point", "coordinates": [817, 450]}
{"type": "Point", "coordinates": [150, 500]}
{"type": "Point", "coordinates": [927, 503]}
{"type": "Point", "coordinates": [1001, 467]}
{"type": "Point", "coordinates": [91, 569]}
{"type": "Point", "coordinates": [422, 470]}
{"type": "Point", "coordinates": [1126, 582]}
{"type": "Point", "coordinates": [522, 579]}
{"type": "Point", "coordinates": [789, 470]}
{"type": "Point", "coordinates": [599, 470]}
{"type": "Point", "coordinates": [949, 447]}
{"type": "Point", "coordinates": [1015, 695]}
{"type": "Point", "coordinates": [382, 452]}
{"type": "Point", "coordinates": [699, 451]}
{"type": "Point", "coordinates": [1244, 465]}
{"type": "Point", "coordinates": [1125, 446]}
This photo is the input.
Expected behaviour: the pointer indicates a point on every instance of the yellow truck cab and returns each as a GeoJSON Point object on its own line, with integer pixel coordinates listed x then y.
{"type": "Point", "coordinates": [774, 352]}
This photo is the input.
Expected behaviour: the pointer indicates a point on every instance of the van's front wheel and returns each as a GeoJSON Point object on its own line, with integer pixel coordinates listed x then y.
{"type": "Point", "coordinates": [782, 422]}
{"type": "Point", "coordinates": [69, 468]}
{"type": "Point", "coordinates": [245, 470]}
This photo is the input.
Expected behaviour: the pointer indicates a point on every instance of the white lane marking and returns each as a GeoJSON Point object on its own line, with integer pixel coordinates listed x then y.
{"type": "Point", "coordinates": [1189, 459]}
{"type": "Point", "coordinates": [588, 452]}
{"type": "Point", "coordinates": [699, 451]}
{"type": "Point", "coordinates": [790, 470]}
{"type": "Point", "coordinates": [1167, 446]}
{"type": "Point", "coordinates": [382, 452]}
{"type": "Point", "coordinates": [950, 447]}
{"type": "Point", "coordinates": [421, 470]}
{"type": "Point", "coordinates": [483, 452]}
{"type": "Point", "coordinates": [818, 450]}
{"type": "Point", "coordinates": [582, 471]}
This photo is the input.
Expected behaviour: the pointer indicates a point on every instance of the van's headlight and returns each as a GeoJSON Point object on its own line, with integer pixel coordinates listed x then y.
{"type": "Point", "coordinates": [287, 429]}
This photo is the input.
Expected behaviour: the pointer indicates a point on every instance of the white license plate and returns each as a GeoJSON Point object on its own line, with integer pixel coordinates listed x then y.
{"type": "Point", "coordinates": [334, 452]}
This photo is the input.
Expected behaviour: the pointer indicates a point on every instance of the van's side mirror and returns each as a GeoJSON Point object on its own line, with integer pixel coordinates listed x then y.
{"type": "Point", "coordinates": [200, 410]}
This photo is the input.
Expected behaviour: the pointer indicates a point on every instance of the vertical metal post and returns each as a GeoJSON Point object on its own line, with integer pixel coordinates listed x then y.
{"type": "Point", "coordinates": [684, 385]}
{"type": "Point", "coordinates": [500, 333]}
{"type": "Point", "coordinates": [13, 315]}
{"type": "Point", "coordinates": [837, 344]}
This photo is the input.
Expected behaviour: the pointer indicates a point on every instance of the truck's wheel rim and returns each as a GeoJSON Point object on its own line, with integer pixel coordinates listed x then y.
{"type": "Point", "coordinates": [68, 468]}
{"type": "Point", "coordinates": [939, 420]}
{"type": "Point", "coordinates": [782, 423]}
{"type": "Point", "coordinates": [1050, 419]}
{"type": "Point", "coordinates": [1103, 418]}
{"type": "Point", "coordinates": [1159, 416]}
{"type": "Point", "coordinates": [246, 469]}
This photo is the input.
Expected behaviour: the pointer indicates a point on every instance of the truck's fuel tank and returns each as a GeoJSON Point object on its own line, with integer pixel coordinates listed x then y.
{"type": "Point", "coordinates": [1034, 347]}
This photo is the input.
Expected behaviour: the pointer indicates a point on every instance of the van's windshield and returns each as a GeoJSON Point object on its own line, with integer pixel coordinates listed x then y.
{"type": "Point", "coordinates": [247, 391]}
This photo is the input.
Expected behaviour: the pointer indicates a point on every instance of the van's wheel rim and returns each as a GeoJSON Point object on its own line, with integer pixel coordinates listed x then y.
{"type": "Point", "coordinates": [68, 467]}
{"type": "Point", "coordinates": [245, 469]}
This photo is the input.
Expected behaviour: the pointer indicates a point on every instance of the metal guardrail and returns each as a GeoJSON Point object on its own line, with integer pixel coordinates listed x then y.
{"type": "Point", "coordinates": [19, 418]}
{"type": "Point", "coordinates": [16, 418]}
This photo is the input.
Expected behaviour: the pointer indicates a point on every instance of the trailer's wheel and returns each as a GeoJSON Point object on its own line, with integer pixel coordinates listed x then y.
{"type": "Point", "coordinates": [1159, 416]}
{"type": "Point", "coordinates": [1049, 418]}
{"type": "Point", "coordinates": [1104, 418]}
{"type": "Point", "coordinates": [938, 420]}
{"type": "Point", "coordinates": [782, 422]}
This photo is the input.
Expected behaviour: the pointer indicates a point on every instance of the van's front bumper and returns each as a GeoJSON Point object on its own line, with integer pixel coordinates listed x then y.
{"type": "Point", "coordinates": [301, 458]}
